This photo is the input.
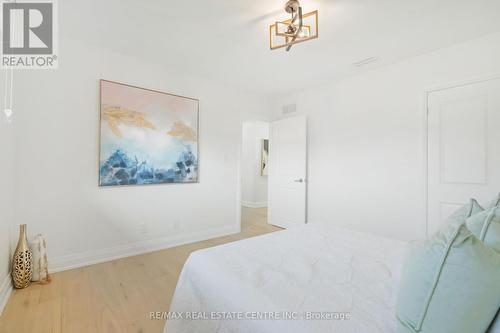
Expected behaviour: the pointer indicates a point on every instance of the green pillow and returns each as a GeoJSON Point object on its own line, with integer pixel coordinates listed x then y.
{"type": "Point", "coordinates": [486, 227]}
{"type": "Point", "coordinates": [472, 208]}
{"type": "Point", "coordinates": [450, 283]}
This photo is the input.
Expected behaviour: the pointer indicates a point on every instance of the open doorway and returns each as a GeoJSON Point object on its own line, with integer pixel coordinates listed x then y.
{"type": "Point", "coordinates": [254, 170]}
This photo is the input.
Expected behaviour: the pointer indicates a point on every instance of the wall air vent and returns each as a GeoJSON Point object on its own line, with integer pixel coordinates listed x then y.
{"type": "Point", "coordinates": [365, 61]}
{"type": "Point", "coordinates": [290, 108]}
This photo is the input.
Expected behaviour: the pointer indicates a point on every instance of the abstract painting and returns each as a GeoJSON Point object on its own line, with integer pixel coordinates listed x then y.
{"type": "Point", "coordinates": [147, 137]}
{"type": "Point", "coordinates": [264, 157]}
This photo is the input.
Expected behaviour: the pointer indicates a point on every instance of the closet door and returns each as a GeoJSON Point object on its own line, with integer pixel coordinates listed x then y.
{"type": "Point", "coordinates": [464, 148]}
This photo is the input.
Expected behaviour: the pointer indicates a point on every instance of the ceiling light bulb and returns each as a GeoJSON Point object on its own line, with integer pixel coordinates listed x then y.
{"type": "Point", "coordinates": [303, 33]}
{"type": "Point", "coordinates": [291, 29]}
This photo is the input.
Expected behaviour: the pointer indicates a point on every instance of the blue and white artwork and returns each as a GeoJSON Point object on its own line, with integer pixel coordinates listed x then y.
{"type": "Point", "coordinates": [147, 137]}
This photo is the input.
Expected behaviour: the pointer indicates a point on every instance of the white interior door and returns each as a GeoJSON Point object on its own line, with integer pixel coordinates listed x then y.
{"type": "Point", "coordinates": [464, 148]}
{"type": "Point", "coordinates": [287, 172]}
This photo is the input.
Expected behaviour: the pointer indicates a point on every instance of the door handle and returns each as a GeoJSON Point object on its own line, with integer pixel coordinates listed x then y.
{"type": "Point", "coordinates": [300, 180]}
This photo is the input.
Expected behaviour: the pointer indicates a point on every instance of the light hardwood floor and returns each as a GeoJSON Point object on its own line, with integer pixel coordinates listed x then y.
{"type": "Point", "coordinates": [116, 296]}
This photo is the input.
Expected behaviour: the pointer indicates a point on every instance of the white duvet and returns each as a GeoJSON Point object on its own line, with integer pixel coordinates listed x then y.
{"type": "Point", "coordinates": [314, 270]}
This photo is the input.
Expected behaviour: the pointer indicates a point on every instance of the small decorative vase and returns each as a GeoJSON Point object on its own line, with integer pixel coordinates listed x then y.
{"type": "Point", "coordinates": [40, 262]}
{"type": "Point", "coordinates": [22, 267]}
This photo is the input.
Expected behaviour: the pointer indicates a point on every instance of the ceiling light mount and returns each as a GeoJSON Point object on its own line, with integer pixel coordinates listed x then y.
{"type": "Point", "coordinates": [299, 28]}
{"type": "Point", "coordinates": [292, 6]}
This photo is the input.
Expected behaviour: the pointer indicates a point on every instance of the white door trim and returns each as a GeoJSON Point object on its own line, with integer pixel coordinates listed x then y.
{"type": "Point", "coordinates": [425, 117]}
{"type": "Point", "coordinates": [246, 116]}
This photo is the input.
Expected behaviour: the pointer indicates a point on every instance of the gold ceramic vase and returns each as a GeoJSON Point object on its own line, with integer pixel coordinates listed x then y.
{"type": "Point", "coordinates": [22, 266]}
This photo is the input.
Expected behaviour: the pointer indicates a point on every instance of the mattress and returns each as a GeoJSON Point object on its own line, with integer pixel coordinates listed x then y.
{"type": "Point", "coordinates": [314, 278]}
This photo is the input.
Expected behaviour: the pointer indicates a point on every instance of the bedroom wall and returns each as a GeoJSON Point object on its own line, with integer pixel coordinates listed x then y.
{"type": "Point", "coordinates": [6, 211]}
{"type": "Point", "coordinates": [366, 138]}
{"type": "Point", "coordinates": [254, 185]}
{"type": "Point", "coordinates": [57, 164]}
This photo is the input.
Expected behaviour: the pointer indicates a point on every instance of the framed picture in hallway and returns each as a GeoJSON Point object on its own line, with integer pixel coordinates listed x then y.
{"type": "Point", "coordinates": [146, 136]}
{"type": "Point", "coordinates": [264, 157]}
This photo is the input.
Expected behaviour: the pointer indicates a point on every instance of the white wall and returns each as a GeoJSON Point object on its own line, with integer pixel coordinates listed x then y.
{"type": "Point", "coordinates": [57, 161]}
{"type": "Point", "coordinates": [366, 135]}
{"type": "Point", "coordinates": [6, 201]}
{"type": "Point", "coordinates": [365, 153]}
{"type": "Point", "coordinates": [254, 185]}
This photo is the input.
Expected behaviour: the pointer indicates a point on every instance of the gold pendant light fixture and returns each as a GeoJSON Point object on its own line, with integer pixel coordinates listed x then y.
{"type": "Point", "coordinates": [299, 28]}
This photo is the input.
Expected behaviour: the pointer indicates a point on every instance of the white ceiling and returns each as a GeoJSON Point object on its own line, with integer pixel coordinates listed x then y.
{"type": "Point", "coordinates": [227, 40]}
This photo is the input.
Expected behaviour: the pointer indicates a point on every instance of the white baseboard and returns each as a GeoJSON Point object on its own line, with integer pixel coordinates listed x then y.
{"type": "Point", "coordinates": [251, 204]}
{"type": "Point", "coordinates": [5, 291]}
{"type": "Point", "coordinates": [77, 260]}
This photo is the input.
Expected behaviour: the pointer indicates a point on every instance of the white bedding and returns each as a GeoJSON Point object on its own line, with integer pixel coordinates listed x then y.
{"type": "Point", "coordinates": [314, 268]}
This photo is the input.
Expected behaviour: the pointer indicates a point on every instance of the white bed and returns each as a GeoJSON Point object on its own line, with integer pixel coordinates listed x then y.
{"type": "Point", "coordinates": [314, 268]}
